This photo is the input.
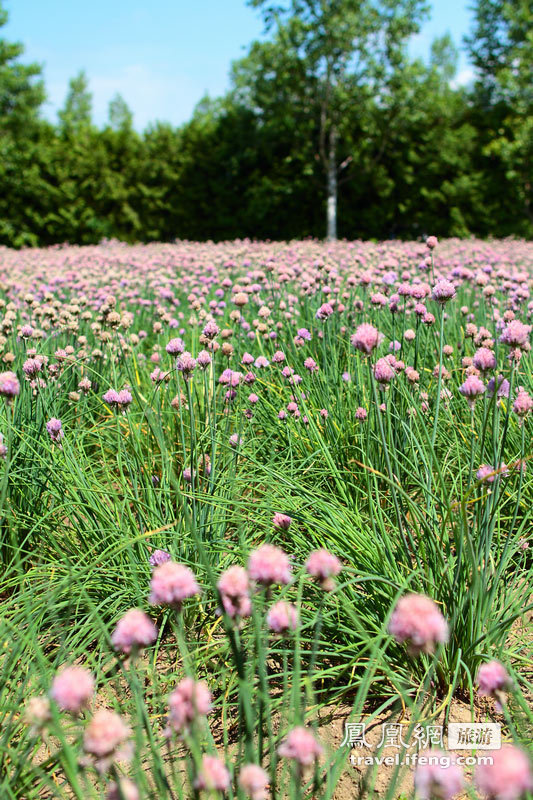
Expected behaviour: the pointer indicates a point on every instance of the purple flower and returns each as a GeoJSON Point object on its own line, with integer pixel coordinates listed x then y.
{"type": "Point", "coordinates": [443, 291]}
{"type": "Point", "coordinates": [159, 557]}
{"type": "Point", "coordinates": [175, 347]}
{"type": "Point", "coordinates": [54, 428]}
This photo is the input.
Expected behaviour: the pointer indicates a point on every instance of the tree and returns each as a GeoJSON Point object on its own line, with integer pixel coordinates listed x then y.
{"type": "Point", "coordinates": [21, 191]}
{"type": "Point", "coordinates": [76, 115]}
{"type": "Point", "coordinates": [500, 47]}
{"type": "Point", "coordinates": [119, 114]}
{"type": "Point", "coordinates": [327, 57]}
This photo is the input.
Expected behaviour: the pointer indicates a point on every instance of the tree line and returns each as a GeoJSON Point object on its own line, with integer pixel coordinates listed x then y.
{"type": "Point", "coordinates": [329, 128]}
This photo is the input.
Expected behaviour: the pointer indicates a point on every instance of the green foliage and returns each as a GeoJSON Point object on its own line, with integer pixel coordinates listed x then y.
{"type": "Point", "coordinates": [323, 95]}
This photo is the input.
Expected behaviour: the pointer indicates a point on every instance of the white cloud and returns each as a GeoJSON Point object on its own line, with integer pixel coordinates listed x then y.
{"type": "Point", "coordinates": [463, 77]}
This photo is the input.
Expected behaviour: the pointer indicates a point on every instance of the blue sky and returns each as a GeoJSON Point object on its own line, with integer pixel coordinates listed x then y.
{"type": "Point", "coordinates": [161, 55]}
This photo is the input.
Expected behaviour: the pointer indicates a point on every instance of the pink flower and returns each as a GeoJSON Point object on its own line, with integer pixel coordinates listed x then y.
{"type": "Point", "coordinates": [9, 385]}
{"type": "Point", "coordinates": [301, 746]}
{"type": "Point", "coordinates": [282, 521]}
{"type": "Point", "coordinates": [323, 566]}
{"type": "Point", "coordinates": [159, 557]}
{"type": "Point", "coordinates": [103, 736]}
{"type": "Point", "coordinates": [269, 564]}
{"type": "Point", "coordinates": [417, 619]}
{"type": "Point", "coordinates": [383, 372]}
{"type": "Point", "coordinates": [203, 359]}
{"type": "Point", "coordinates": [443, 291]}
{"type": "Point", "coordinates": [72, 689]}
{"type": "Point", "coordinates": [175, 347]}
{"type": "Point", "coordinates": [439, 778]}
{"type": "Point", "coordinates": [189, 700]}
{"type": "Point", "coordinates": [522, 404]}
{"type": "Point", "coordinates": [282, 617]}
{"type": "Point", "coordinates": [366, 338]}
{"type": "Point", "coordinates": [431, 242]}
{"type": "Point", "coordinates": [361, 414]}
{"type": "Point", "coordinates": [494, 681]}
{"type": "Point", "coordinates": [488, 474]}
{"type": "Point", "coordinates": [472, 388]}
{"type": "Point", "coordinates": [37, 713]}
{"type": "Point", "coordinates": [253, 780]}
{"type": "Point", "coordinates": [211, 330]}
{"type": "Point", "coordinates": [213, 775]}
{"type": "Point", "coordinates": [134, 630]}
{"type": "Point", "coordinates": [516, 334]}
{"type": "Point", "coordinates": [484, 359]}
{"type": "Point", "coordinates": [508, 777]}
{"type": "Point", "coordinates": [325, 311]}
{"type": "Point", "coordinates": [55, 430]}
{"type": "Point", "coordinates": [171, 584]}
{"type": "Point", "coordinates": [234, 587]}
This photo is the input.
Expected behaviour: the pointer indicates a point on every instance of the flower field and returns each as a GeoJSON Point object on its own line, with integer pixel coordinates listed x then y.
{"type": "Point", "coordinates": [245, 485]}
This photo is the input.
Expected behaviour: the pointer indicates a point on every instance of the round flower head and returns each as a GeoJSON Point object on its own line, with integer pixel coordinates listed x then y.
{"type": "Point", "coordinates": [203, 359]}
{"type": "Point", "coordinates": [235, 440]}
{"type": "Point", "coordinates": [488, 474]}
{"type": "Point", "coordinates": [417, 620]}
{"type": "Point", "coordinates": [159, 557]}
{"type": "Point", "coordinates": [325, 311]}
{"type": "Point", "coordinates": [9, 385]}
{"type": "Point", "coordinates": [366, 338]}
{"type": "Point", "coordinates": [171, 584]}
{"type": "Point", "coordinates": [213, 774]}
{"type": "Point", "coordinates": [472, 388]}
{"type": "Point", "coordinates": [105, 733]}
{"type": "Point", "coordinates": [508, 777]}
{"type": "Point", "coordinates": [185, 364]}
{"type": "Point", "coordinates": [484, 359]}
{"type": "Point", "coordinates": [31, 367]}
{"type": "Point", "coordinates": [253, 781]}
{"type": "Point", "coordinates": [516, 334]}
{"type": "Point", "coordinates": [175, 347]}
{"type": "Point", "coordinates": [268, 564]}
{"type": "Point", "coordinates": [211, 330]}
{"type": "Point", "coordinates": [443, 291]}
{"type": "Point", "coordinates": [111, 397]}
{"type": "Point", "coordinates": [437, 777]}
{"type": "Point", "coordinates": [503, 387]}
{"type": "Point", "coordinates": [282, 521]}
{"type": "Point", "coordinates": [431, 242]}
{"type": "Point", "coordinates": [234, 588]}
{"type": "Point", "coordinates": [240, 299]}
{"type": "Point", "coordinates": [323, 566]}
{"type": "Point", "coordinates": [124, 790]}
{"type": "Point", "coordinates": [282, 617]}
{"type": "Point", "coordinates": [300, 746]}
{"type": "Point", "coordinates": [85, 385]}
{"type": "Point", "coordinates": [133, 631]}
{"type": "Point", "coordinates": [383, 372]}
{"type": "Point", "coordinates": [37, 713]}
{"type": "Point", "coordinates": [72, 689]}
{"type": "Point", "coordinates": [125, 398]}
{"type": "Point", "coordinates": [522, 404]}
{"type": "Point", "coordinates": [494, 680]}
{"type": "Point", "coordinates": [189, 700]}
{"type": "Point", "coordinates": [55, 430]}
{"type": "Point", "coordinates": [361, 414]}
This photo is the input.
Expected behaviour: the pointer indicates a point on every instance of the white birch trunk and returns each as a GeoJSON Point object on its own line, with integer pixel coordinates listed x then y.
{"type": "Point", "coordinates": [332, 187]}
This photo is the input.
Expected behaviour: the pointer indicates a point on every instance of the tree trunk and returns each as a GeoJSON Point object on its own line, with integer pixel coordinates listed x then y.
{"type": "Point", "coordinates": [332, 186]}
